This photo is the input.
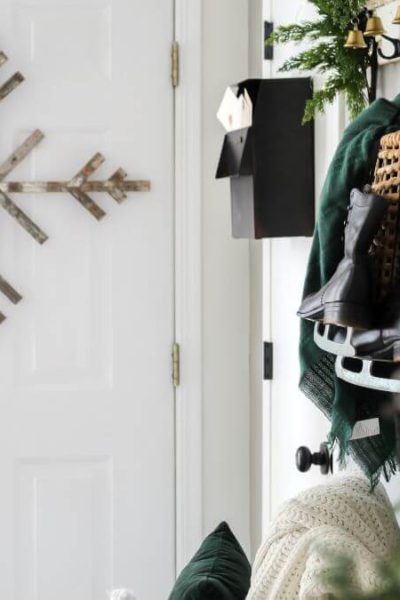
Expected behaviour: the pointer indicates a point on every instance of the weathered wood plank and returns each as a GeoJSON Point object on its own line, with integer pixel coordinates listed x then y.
{"type": "Point", "coordinates": [117, 192]}
{"type": "Point", "coordinates": [75, 185]}
{"type": "Point", "coordinates": [5, 168]}
{"type": "Point", "coordinates": [95, 210]}
{"type": "Point", "coordinates": [132, 186]}
{"type": "Point", "coordinates": [78, 186]}
{"type": "Point", "coordinates": [3, 58]}
{"type": "Point", "coordinates": [9, 291]}
{"type": "Point", "coordinates": [23, 219]}
{"type": "Point", "coordinates": [10, 85]}
{"type": "Point", "coordinates": [20, 153]}
{"type": "Point", "coordinates": [90, 167]}
{"type": "Point", "coordinates": [42, 187]}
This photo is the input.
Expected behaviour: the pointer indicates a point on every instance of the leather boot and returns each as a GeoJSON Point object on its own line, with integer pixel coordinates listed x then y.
{"type": "Point", "coordinates": [383, 341]}
{"type": "Point", "coordinates": [346, 299]}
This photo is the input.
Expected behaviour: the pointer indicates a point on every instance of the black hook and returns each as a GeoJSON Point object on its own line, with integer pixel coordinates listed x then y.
{"type": "Point", "coordinates": [396, 51]}
{"type": "Point", "coordinates": [305, 459]}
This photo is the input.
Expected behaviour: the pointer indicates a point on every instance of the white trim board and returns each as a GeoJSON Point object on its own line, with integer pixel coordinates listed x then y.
{"type": "Point", "coordinates": [281, 436]}
{"type": "Point", "coordinates": [188, 281]}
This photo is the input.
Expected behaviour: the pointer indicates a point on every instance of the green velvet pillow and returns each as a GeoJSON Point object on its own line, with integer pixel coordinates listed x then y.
{"type": "Point", "coordinates": [218, 571]}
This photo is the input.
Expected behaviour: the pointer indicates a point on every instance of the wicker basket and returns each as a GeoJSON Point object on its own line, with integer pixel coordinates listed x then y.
{"type": "Point", "coordinates": [386, 248]}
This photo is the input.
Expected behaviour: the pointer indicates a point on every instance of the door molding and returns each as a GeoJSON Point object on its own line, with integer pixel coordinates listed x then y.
{"type": "Point", "coordinates": [188, 280]}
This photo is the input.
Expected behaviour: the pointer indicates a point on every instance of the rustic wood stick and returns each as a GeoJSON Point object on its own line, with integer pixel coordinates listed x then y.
{"type": "Point", "coordinates": [41, 187]}
{"type": "Point", "coordinates": [74, 186]}
{"type": "Point", "coordinates": [20, 153]}
{"type": "Point", "coordinates": [3, 58]}
{"type": "Point", "coordinates": [5, 168]}
{"type": "Point", "coordinates": [10, 85]}
{"type": "Point", "coordinates": [139, 185]}
{"type": "Point", "coordinates": [23, 219]}
{"type": "Point", "coordinates": [9, 291]}
{"type": "Point", "coordinates": [95, 210]}
{"type": "Point", "coordinates": [117, 192]}
{"type": "Point", "coordinates": [90, 167]}
{"type": "Point", "coordinates": [78, 186]}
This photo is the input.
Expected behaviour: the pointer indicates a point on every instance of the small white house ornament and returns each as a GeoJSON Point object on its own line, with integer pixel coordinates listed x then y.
{"type": "Point", "coordinates": [122, 595]}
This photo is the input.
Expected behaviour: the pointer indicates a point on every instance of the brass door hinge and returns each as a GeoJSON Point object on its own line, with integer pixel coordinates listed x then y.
{"type": "Point", "coordinates": [175, 64]}
{"type": "Point", "coordinates": [176, 364]}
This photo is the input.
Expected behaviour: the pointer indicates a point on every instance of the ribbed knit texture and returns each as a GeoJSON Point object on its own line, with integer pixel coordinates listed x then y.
{"type": "Point", "coordinates": [341, 516]}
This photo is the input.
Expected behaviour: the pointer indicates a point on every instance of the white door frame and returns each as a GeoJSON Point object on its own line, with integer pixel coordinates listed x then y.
{"type": "Point", "coordinates": [188, 280]}
{"type": "Point", "coordinates": [328, 131]}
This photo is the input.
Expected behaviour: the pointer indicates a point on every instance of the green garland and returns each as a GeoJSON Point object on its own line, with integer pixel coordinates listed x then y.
{"type": "Point", "coordinates": [346, 69]}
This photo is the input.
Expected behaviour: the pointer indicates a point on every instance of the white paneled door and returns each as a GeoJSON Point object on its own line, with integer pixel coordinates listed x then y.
{"type": "Point", "coordinates": [86, 400]}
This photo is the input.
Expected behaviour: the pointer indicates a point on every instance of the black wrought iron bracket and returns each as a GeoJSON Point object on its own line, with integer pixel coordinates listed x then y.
{"type": "Point", "coordinates": [396, 48]}
{"type": "Point", "coordinates": [374, 52]}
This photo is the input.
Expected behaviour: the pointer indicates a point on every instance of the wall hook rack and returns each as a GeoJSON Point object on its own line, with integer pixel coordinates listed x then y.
{"type": "Point", "coordinates": [371, 28]}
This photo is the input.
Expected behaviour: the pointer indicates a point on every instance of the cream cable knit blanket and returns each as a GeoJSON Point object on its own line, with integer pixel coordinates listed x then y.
{"type": "Point", "coordinates": [339, 516]}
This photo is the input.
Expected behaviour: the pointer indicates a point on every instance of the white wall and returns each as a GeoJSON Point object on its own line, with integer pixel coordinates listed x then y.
{"type": "Point", "coordinates": [249, 444]}
{"type": "Point", "coordinates": [225, 288]}
{"type": "Point", "coordinates": [256, 54]}
{"type": "Point", "coordinates": [241, 482]}
{"type": "Point", "coordinates": [290, 419]}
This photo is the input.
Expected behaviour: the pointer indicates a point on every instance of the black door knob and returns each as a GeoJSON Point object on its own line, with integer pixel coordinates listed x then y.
{"type": "Point", "coordinates": [305, 459]}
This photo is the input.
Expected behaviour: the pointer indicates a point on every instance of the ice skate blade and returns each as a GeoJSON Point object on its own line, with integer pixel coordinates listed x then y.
{"type": "Point", "coordinates": [323, 341]}
{"type": "Point", "coordinates": [365, 378]}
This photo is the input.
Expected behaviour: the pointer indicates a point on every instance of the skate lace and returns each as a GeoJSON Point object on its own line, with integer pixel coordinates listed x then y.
{"type": "Point", "coordinates": [346, 221]}
{"type": "Point", "coordinates": [349, 209]}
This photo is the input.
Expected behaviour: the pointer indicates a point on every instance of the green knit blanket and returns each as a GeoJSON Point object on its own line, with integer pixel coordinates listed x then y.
{"type": "Point", "coordinates": [352, 166]}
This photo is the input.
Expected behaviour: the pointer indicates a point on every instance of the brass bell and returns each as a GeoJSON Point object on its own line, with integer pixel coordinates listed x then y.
{"type": "Point", "coordinates": [396, 20]}
{"type": "Point", "coordinates": [374, 26]}
{"type": "Point", "coordinates": [355, 39]}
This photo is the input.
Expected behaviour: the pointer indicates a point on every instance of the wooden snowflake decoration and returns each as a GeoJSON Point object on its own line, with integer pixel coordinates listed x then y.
{"type": "Point", "coordinates": [79, 186]}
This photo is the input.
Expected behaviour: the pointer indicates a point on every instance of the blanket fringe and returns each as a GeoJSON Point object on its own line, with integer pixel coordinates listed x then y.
{"type": "Point", "coordinates": [318, 384]}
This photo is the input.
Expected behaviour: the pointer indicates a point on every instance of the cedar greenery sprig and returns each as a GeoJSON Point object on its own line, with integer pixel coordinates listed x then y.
{"type": "Point", "coordinates": [345, 69]}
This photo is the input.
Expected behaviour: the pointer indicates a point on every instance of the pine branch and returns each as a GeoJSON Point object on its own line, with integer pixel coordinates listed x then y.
{"type": "Point", "coordinates": [346, 69]}
{"type": "Point", "coordinates": [319, 58]}
{"type": "Point", "coordinates": [292, 33]}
